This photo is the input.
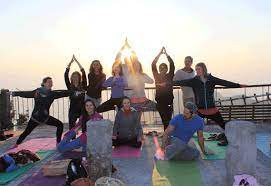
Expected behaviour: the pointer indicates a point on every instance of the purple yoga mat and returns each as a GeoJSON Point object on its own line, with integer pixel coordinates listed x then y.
{"type": "Point", "coordinates": [37, 144]}
{"type": "Point", "coordinates": [126, 152]}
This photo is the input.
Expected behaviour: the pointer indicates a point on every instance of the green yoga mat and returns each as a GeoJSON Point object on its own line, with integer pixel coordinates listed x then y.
{"type": "Point", "coordinates": [176, 173]}
{"type": "Point", "coordinates": [219, 151]}
{"type": "Point", "coordinates": [10, 176]}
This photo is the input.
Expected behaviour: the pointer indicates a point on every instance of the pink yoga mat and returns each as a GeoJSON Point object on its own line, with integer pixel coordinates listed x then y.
{"type": "Point", "coordinates": [126, 152]}
{"type": "Point", "coordinates": [37, 144]}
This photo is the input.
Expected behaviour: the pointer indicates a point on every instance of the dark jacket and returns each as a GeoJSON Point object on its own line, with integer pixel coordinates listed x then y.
{"type": "Point", "coordinates": [76, 100]}
{"type": "Point", "coordinates": [95, 87]}
{"type": "Point", "coordinates": [128, 126]}
{"type": "Point", "coordinates": [204, 92]}
{"type": "Point", "coordinates": [164, 94]}
{"type": "Point", "coordinates": [43, 100]}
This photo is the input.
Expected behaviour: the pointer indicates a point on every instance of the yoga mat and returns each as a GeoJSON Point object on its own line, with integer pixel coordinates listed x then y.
{"type": "Point", "coordinates": [10, 176]}
{"type": "Point", "coordinates": [15, 134]}
{"type": "Point", "coordinates": [263, 141]}
{"type": "Point", "coordinates": [126, 152]}
{"type": "Point", "coordinates": [219, 151]}
{"type": "Point", "coordinates": [176, 173]}
{"type": "Point", "coordinates": [36, 144]}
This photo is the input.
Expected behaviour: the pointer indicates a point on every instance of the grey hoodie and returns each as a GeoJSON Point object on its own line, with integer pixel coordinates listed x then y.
{"type": "Point", "coordinates": [127, 125]}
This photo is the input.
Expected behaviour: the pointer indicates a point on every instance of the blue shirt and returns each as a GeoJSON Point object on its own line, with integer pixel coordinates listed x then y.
{"type": "Point", "coordinates": [185, 129]}
{"type": "Point", "coordinates": [117, 84]}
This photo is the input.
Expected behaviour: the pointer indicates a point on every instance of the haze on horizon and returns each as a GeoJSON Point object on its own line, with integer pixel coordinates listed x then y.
{"type": "Point", "coordinates": [38, 37]}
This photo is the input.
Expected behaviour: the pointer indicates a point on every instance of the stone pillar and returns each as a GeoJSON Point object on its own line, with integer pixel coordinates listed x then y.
{"type": "Point", "coordinates": [99, 148]}
{"type": "Point", "coordinates": [241, 151]}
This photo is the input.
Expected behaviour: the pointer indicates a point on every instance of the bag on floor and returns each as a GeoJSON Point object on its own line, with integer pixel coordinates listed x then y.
{"type": "Point", "coordinates": [82, 182]}
{"type": "Point", "coordinates": [245, 180]}
{"type": "Point", "coordinates": [75, 171]}
{"type": "Point", "coordinates": [56, 168]}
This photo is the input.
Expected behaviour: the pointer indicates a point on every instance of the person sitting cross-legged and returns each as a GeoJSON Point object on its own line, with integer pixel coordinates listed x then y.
{"type": "Point", "coordinates": [180, 130]}
{"type": "Point", "coordinates": [127, 127]}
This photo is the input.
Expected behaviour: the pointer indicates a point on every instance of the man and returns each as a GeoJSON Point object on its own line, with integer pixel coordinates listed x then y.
{"type": "Point", "coordinates": [164, 94]}
{"type": "Point", "coordinates": [186, 73]}
{"type": "Point", "coordinates": [180, 130]}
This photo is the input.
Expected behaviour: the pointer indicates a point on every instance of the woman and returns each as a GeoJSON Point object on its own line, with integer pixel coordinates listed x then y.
{"type": "Point", "coordinates": [203, 87]}
{"type": "Point", "coordinates": [136, 81]}
{"type": "Point", "coordinates": [43, 97]}
{"type": "Point", "coordinates": [12, 161]}
{"type": "Point", "coordinates": [117, 83]}
{"type": "Point", "coordinates": [88, 113]}
{"type": "Point", "coordinates": [164, 94]}
{"type": "Point", "coordinates": [75, 83]}
{"type": "Point", "coordinates": [96, 78]}
{"type": "Point", "coordinates": [127, 127]}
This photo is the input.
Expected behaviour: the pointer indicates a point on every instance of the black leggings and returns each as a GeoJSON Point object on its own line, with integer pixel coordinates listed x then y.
{"type": "Point", "coordinates": [217, 117]}
{"type": "Point", "coordinates": [110, 105]}
{"type": "Point", "coordinates": [165, 110]}
{"type": "Point", "coordinates": [33, 124]}
{"type": "Point", "coordinates": [132, 142]}
{"type": "Point", "coordinates": [73, 116]}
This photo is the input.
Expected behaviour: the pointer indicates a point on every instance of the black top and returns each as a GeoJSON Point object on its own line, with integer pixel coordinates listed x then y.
{"type": "Point", "coordinates": [164, 94]}
{"type": "Point", "coordinates": [43, 100]}
{"type": "Point", "coordinates": [95, 87]}
{"type": "Point", "coordinates": [204, 92]}
{"type": "Point", "coordinates": [76, 100]}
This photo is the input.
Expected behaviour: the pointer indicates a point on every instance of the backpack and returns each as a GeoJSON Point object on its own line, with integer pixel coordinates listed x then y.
{"type": "Point", "coordinates": [75, 171]}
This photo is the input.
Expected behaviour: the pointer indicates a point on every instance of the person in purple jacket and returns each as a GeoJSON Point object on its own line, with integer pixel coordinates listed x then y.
{"type": "Point", "coordinates": [117, 82]}
{"type": "Point", "coordinates": [88, 113]}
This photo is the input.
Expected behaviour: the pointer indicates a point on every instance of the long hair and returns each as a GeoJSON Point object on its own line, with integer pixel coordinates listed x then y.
{"type": "Point", "coordinates": [204, 68]}
{"type": "Point", "coordinates": [76, 73]}
{"type": "Point", "coordinates": [140, 67]}
{"type": "Point", "coordinates": [117, 63]}
{"type": "Point", "coordinates": [44, 80]}
{"type": "Point", "coordinates": [91, 68]}
{"type": "Point", "coordinates": [85, 115]}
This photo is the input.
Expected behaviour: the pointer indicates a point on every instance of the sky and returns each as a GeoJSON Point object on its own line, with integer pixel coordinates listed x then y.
{"type": "Point", "coordinates": [38, 38]}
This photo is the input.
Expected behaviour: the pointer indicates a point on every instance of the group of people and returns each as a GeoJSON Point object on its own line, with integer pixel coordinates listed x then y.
{"type": "Point", "coordinates": [128, 96]}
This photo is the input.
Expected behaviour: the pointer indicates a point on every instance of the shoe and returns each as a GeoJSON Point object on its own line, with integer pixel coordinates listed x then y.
{"type": "Point", "coordinates": [221, 136]}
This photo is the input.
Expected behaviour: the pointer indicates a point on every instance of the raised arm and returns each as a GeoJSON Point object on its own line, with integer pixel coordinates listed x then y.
{"type": "Point", "coordinates": [171, 64]}
{"type": "Point", "coordinates": [186, 83]}
{"type": "Point", "coordinates": [66, 74]}
{"type": "Point", "coordinates": [225, 83]}
{"type": "Point", "coordinates": [84, 77]}
{"type": "Point", "coordinates": [154, 63]}
{"type": "Point", "coordinates": [25, 94]}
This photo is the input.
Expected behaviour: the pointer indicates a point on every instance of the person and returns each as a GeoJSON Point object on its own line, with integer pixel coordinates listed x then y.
{"type": "Point", "coordinates": [43, 97]}
{"type": "Point", "coordinates": [179, 132]}
{"type": "Point", "coordinates": [136, 82]}
{"type": "Point", "coordinates": [77, 82]}
{"type": "Point", "coordinates": [186, 73]}
{"type": "Point", "coordinates": [164, 94]}
{"type": "Point", "coordinates": [117, 83]}
{"type": "Point", "coordinates": [96, 78]}
{"type": "Point", "coordinates": [13, 160]}
{"type": "Point", "coordinates": [203, 87]}
{"type": "Point", "coordinates": [88, 114]}
{"type": "Point", "coordinates": [127, 128]}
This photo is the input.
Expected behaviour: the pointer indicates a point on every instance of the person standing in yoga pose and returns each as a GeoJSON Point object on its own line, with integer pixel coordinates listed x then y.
{"type": "Point", "coordinates": [88, 113]}
{"type": "Point", "coordinates": [43, 97]}
{"type": "Point", "coordinates": [75, 83]}
{"type": "Point", "coordinates": [96, 78]}
{"type": "Point", "coordinates": [203, 87]}
{"type": "Point", "coordinates": [127, 127]}
{"type": "Point", "coordinates": [186, 73]}
{"type": "Point", "coordinates": [117, 83]}
{"type": "Point", "coordinates": [164, 94]}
